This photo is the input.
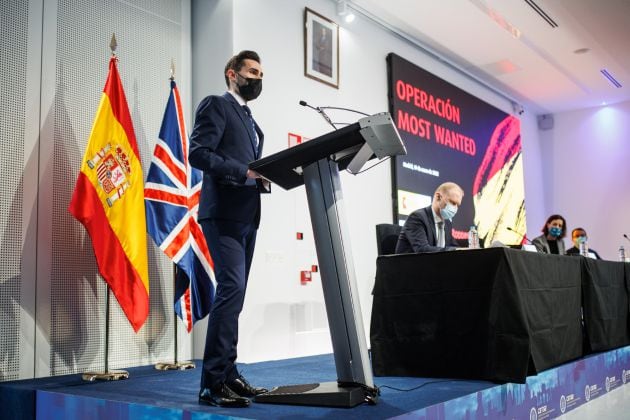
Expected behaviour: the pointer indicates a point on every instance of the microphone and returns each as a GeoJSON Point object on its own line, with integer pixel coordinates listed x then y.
{"type": "Point", "coordinates": [626, 236]}
{"type": "Point", "coordinates": [320, 111]}
{"type": "Point", "coordinates": [522, 235]}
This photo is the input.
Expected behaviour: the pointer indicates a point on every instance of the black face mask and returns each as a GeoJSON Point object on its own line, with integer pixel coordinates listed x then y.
{"type": "Point", "coordinates": [251, 89]}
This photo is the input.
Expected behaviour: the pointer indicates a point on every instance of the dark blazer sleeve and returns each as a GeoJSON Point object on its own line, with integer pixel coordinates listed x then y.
{"type": "Point", "coordinates": [417, 234]}
{"type": "Point", "coordinates": [205, 142]}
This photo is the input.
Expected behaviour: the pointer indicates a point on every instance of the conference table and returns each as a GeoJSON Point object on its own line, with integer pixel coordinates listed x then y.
{"type": "Point", "coordinates": [497, 314]}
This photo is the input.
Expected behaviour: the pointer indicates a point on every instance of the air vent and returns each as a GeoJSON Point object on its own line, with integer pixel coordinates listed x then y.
{"type": "Point", "coordinates": [610, 78]}
{"type": "Point", "coordinates": [542, 13]}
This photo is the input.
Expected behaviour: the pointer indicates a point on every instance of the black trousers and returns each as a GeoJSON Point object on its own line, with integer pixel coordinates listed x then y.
{"type": "Point", "coordinates": [231, 246]}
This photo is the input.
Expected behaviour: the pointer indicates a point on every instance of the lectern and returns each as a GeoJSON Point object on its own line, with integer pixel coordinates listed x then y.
{"type": "Point", "coordinates": [316, 164]}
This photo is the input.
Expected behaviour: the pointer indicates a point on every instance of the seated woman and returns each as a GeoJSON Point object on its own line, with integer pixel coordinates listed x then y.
{"type": "Point", "coordinates": [551, 241]}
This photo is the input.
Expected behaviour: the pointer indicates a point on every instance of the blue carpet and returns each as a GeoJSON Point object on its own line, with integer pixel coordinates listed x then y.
{"type": "Point", "coordinates": [173, 394]}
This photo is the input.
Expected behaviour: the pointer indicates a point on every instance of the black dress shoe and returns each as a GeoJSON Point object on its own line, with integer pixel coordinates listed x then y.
{"type": "Point", "coordinates": [221, 396]}
{"type": "Point", "coordinates": [244, 389]}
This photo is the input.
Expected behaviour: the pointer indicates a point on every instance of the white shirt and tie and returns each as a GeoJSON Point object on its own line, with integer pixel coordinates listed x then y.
{"type": "Point", "coordinates": [251, 123]}
{"type": "Point", "coordinates": [248, 111]}
{"type": "Point", "coordinates": [249, 181]}
{"type": "Point", "coordinates": [439, 230]}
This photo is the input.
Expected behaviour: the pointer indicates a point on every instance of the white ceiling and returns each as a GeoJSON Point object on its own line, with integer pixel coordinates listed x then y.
{"type": "Point", "coordinates": [507, 45]}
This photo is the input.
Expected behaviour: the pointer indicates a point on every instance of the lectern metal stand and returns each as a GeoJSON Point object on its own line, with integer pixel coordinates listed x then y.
{"type": "Point", "coordinates": [319, 163]}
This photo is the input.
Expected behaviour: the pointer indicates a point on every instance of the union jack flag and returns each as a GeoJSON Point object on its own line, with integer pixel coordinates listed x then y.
{"type": "Point", "coordinates": [171, 195]}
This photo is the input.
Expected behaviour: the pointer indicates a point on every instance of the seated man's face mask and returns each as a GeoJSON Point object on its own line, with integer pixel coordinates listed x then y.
{"type": "Point", "coordinates": [449, 211]}
{"type": "Point", "coordinates": [579, 240]}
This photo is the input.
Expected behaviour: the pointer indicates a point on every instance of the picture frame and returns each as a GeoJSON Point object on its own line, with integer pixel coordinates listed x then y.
{"type": "Point", "coordinates": [321, 48]}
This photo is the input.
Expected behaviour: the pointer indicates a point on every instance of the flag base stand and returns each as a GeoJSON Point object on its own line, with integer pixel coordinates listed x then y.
{"type": "Point", "coordinates": [106, 375]}
{"type": "Point", "coordinates": [175, 366]}
{"type": "Point", "coordinates": [112, 375]}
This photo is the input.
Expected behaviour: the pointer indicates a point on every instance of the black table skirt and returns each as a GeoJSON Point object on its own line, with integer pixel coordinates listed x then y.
{"type": "Point", "coordinates": [606, 310]}
{"type": "Point", "coordinates": [497, 314]}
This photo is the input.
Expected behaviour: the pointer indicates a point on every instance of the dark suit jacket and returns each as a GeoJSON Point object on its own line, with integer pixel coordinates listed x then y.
{"type": "Point", "coordinates": [418, 234]}
{"type": "Point", "coordinates": [221, 145]}
{"type": "Point", "coordinates": [574, 251]}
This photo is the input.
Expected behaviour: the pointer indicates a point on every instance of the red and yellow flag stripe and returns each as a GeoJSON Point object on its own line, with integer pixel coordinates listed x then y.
{"type": "Point", "coordinates": [108, 200]}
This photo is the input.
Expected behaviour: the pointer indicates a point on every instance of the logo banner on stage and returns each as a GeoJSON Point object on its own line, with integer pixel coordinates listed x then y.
{"type": "Point", "coordinates": [108, 200]}
{"type": "Point", "coordinates": [172, 194]}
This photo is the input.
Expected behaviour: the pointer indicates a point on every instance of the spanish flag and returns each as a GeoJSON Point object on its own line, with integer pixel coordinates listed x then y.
{"type": "Point", "coordinates": [108, 200]}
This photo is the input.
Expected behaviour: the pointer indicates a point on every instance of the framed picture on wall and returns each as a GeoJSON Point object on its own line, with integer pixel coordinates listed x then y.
{"type": "Point", "coordinates": [321, 48]}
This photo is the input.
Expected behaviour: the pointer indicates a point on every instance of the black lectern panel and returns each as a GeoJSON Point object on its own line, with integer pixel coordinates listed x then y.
{"type": "Point", "coordinates": [279, 167]}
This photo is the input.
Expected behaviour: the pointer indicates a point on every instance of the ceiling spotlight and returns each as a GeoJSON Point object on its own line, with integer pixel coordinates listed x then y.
{"type": "Point", "coordinates": [344, 11]}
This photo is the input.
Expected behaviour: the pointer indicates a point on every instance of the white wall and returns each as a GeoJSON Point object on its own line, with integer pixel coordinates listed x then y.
{"type": "Point", "coordinates": [282, 318]}
{"type": "Point", "coordinates": [586, 162]}
{"type": "Point", "coordinates": [536, 201]}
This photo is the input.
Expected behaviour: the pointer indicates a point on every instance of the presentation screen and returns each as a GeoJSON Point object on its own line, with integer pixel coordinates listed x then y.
{"type": "Point", "coordinates": [451, 135]}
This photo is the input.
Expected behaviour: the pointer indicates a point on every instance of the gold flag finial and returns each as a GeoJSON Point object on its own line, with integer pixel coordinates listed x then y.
{"type": "Point", "coordinates": [113, 44]}
{"type": "Point", "coordinates": [172, 69]}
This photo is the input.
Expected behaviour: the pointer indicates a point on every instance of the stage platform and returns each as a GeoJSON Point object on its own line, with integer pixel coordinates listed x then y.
{"type": "Point", "coordinates": [149, 393]}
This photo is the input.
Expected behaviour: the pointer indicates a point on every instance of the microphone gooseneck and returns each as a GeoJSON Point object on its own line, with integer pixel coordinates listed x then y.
{"type": "Point", "coordinates": [626, 236]}
{"type": "Point", "coordinates": [522, 235]}
{"type": "Point", "coordinates": [346, 109]}
{"type": "Point", "coordinates": [320, 111]}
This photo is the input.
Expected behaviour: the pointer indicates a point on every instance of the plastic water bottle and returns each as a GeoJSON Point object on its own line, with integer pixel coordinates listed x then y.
{"type": "Point", "coordinates": [584, 249]}
{"type": "Point", "coordinates": [473, 238]}
{"type": "Point", "coordinates": [622, 254]}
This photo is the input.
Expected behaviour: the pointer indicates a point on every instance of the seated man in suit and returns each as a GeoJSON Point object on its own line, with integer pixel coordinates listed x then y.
{"type": "Point", "coordinates": [578, 235]}
{"type": "Point", "coordinates": [429, 229]}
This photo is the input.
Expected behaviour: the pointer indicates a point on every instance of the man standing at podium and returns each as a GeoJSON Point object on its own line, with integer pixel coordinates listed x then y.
{"type": "Point", "coordinates": [225, 138]}
{"type": "Point", "coordinates": [429, 229]}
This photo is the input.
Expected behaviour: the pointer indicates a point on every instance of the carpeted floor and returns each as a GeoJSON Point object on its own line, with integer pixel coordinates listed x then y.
{"type": "Point", "coordinates": [173, 394]}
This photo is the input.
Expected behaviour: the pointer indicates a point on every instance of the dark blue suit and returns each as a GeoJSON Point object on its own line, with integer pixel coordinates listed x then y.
{"type": "Point", "coordinates": [418, 234]}
{"type": "Point", "coordinates": [222, 144]}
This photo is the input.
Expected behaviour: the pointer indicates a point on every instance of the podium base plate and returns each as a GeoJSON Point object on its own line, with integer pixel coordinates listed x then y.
{"type": "Point", "coordinates": [326, 394]}
{"type": "Point", "coordinates": [112, 375]}
{"type": "Point", "coordinates": [175, 366]}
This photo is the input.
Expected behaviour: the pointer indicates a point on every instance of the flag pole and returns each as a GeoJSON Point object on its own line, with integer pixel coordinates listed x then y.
{"type": "Point", "coordinates": [176, 365]}
{"type": "Point", "coordinates": [174, 314]}
{"type": "Point", "coordinates": [106, 375]}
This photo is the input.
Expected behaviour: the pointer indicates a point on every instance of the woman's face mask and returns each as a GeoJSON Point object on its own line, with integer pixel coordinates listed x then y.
{"type": "Point", "coordinates": [555, 231]}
